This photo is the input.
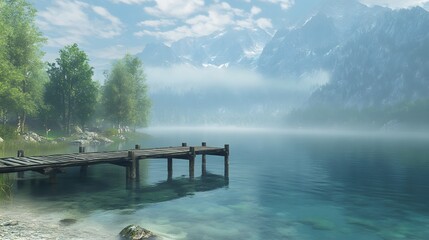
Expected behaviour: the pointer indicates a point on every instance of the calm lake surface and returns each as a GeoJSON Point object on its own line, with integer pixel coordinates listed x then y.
{"type": "Point", "coordinates": [282, 185]}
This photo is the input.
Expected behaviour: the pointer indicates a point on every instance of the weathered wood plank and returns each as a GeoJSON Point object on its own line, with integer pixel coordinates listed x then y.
{"type": "Point", "coordinates": [20, 161]}
{"type": "Point", "coordinates": [9, 163]}
{"type": "Point", "coordinates": [116, 157]}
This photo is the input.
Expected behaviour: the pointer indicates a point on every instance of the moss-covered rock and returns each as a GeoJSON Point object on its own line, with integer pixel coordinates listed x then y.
{"type": "Point", "coordinates": [134, 232]}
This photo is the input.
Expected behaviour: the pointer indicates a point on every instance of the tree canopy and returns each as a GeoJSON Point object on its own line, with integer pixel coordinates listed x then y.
{"type": "Point", "coordinates": [71, 93]}
{"type": "Point", "coordinates": [21, 67]}
{"type": "Point", "coordinates": [125, 97]}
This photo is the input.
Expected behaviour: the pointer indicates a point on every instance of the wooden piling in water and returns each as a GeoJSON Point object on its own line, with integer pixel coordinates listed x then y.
{"type": "Point", "coordinates": [203, 161]}
{"type": "Point", "coordinates": [137, 163]}
{"type": "Point", "coordinates": [191, 162]}
{"type": "Point", "coordinates": [226, 168]}
{"type": "Point", "coordinates": [132, 167]}
{"type": "Point", "coordinates": [184, 144]}
{"type": "Point", "coordinates": [83, 168]}
{"type": "Point", "coordinates": [20, 153]}
{"type": "Point", "coordinates": [170, 168]}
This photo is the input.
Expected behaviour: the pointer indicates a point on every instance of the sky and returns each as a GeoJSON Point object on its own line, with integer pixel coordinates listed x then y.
{"type": "Point", "coordinates": [108, 29]}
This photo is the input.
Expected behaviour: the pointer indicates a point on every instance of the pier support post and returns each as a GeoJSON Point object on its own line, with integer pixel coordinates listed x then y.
{"type": "Point", "coordinates": [20, 153]}
{"type": "Point", "coordinates": [203, 161]}
{"type": "Point", "coordinates": [84, 168]}
{"type": "Point", "coordinates": [81, 149]}
{"type": "Point", "coordinates": [226, 173]}
{"type": "Point", "coordinates": [184, 144]}
{"type": "Point", "coordinates": [191, 162]}
{"type": "Point", "coordinates": [137, 163]}
{"type": "Point", "coordinates": [170, 169]}
{"type": "Point", "coordinates": [132, 168]}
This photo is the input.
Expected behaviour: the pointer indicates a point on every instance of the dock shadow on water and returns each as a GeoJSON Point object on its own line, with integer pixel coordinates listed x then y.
{"type": "Point", "coordinates": [94, 193]}
{"type": "Point", "coordinates": [177, 188]}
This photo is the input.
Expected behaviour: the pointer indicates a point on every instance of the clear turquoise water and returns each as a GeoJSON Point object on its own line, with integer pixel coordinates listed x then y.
{"type": "Point", "coordinates": [282, 185]}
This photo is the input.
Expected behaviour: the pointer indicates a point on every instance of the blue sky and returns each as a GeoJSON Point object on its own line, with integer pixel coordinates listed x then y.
{"type": "Point", "coordinates": [107, 29]}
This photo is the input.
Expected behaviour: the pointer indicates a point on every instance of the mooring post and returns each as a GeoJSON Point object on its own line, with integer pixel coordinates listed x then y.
{"type": "Point", "coordinates": [83, 168]}
{"type": "Point", "coordinates": [226, 173]}
{"type": "Point", "coordinates": [184, 144]}
{"type": "Point", "coordinates": [20, 153]}
{"type": "Point", "coordinates": [81, 150]}
{"type": "Point", "coordinates": [203, 162]}
{"type": "Point", "coordinates": [137, 147]}
{"type": "Point", "coordinates": [191, 162]}
{"type": "Point", "coordinates": [132, 168]}
{"type": "Point", "coordinates": [170, 168]}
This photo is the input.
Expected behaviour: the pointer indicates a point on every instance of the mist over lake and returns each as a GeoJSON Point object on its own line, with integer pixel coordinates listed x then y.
{"type": "Point", "coordinates": [206, 119]}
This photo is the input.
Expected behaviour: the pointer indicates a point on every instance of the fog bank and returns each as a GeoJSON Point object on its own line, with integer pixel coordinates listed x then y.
{"type": "Point", "coordinates": [183, 95]}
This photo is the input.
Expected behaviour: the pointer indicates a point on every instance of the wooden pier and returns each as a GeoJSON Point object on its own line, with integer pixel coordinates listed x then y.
{"type": "Point", "coordinates": [52, 164]}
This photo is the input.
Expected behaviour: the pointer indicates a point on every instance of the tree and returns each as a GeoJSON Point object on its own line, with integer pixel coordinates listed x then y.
{"type": "Point", "coordinates": [125, 97]}
{"type": "Point", "coordinates": [22, 56]}
{"type": "Point", "coordinates": [71, 93]}
{"type": "Point", "coordinates": [7, 74]}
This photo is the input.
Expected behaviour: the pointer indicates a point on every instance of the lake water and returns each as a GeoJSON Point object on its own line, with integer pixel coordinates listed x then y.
{"type": "Point", "coordinates": [282, 185]}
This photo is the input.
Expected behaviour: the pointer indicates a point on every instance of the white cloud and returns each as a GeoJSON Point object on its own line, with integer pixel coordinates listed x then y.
{"type": "Point", "coordinates": [114, 52]}
{"type": "Point", "coordinates": [255, 10]}
{"type": "Point", "coordinates": [284, 4]}
{"type": "Point", "coordinates": [157, 23]}
{"type": "Point", "coordinates": [77, 22]}
{"type": "Point", "coordinates": [264, 23]}
{"type": "Point", "coordinates": [211, 19]}
{"type": "Point", "coordinates": [396, 3]}
{"type": "Point", "coordinates": [130, 2]}
{"type": "Point", "coordinates": [175, 8]}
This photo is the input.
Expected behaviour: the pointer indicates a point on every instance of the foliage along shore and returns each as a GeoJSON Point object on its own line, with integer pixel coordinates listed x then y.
{"type": "Point", "coordinates": [38, 144]}
{"type": "Point", "coordinates": [62, 94]}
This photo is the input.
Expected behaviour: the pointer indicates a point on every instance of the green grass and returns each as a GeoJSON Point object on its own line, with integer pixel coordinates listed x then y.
{"type": "Point", "coordinates": [10, 148]}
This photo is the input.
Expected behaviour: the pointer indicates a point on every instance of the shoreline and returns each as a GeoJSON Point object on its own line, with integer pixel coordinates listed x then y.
{"type": "Point", "coordinates": [23, 223]}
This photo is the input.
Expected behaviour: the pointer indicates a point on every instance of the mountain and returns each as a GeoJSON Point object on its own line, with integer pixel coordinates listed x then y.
{"type": "Point", "coordinates": [376, 56]}
{"type": "Point", "coordinates": [158, 54]}
{"type": "Point", "coordinates": [231, 47]}
{"type": "Point", "coordinates": [384, 63]}
{"type": "Point", "coordinates": [298, 50]}
{"type": "Point", "coordinates": [308, 46]}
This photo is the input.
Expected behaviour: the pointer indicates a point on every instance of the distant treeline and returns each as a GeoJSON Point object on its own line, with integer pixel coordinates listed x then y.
{"type": "Point", "coordinates": [61, 94]}
{"type": "Point", "coordinates": [407, 115]}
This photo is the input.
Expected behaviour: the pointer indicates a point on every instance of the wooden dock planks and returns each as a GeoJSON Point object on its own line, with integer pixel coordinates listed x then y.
{"type": "Point", "coordinates": [36, 163]}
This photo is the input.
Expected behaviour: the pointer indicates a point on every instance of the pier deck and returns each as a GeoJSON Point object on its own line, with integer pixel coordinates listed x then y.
{"type": "Point", "coordinates": [50, 164]}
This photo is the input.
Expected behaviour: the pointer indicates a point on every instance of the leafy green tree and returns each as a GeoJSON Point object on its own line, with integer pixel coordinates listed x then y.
{"type": "Point", "coordinates": [22, 42]}
{"type": "Point", "coordinates": [71, 93]}
{"type": "Point", "coordinates": [125, 96]}
{"type": "Point", "coordinates": [7, 75]}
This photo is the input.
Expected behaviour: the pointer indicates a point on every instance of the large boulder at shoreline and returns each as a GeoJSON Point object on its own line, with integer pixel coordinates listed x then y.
{"type": "Point", "coordinates": [135, 232]}
{"type": "Point", "coordinates": [89, 138]}
{"type": "Point", "coordinates": [33, 137]}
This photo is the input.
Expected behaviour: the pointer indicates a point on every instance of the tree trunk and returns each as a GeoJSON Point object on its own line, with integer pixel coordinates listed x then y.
{"type": "Point", "coordinates": [23, 119]}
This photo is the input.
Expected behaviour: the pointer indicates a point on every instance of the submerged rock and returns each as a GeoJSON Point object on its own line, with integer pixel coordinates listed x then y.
{"type": "Point", "coordinates": [9, 223]}
{"type": "Point", "coordinates": [67, 221]}
{"type": "Point", "coordinates": [134, 232]}
{"type": "Point", "coordinates": [318, 224]}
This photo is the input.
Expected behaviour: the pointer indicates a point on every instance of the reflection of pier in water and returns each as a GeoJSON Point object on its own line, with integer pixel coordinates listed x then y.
{"type": "Point", "coordinates": [178, 188]}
